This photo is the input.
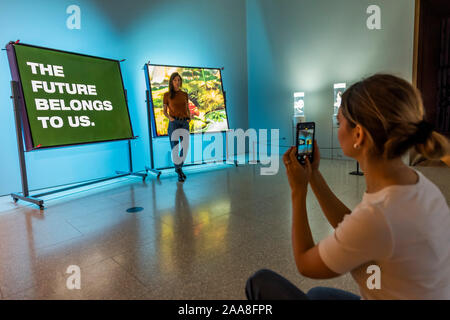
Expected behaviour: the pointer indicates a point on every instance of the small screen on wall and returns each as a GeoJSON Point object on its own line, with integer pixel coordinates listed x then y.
{"type": "Point", "coordinates": [69, 98]}
{"type": "Point", "coordinates": [205, 92]}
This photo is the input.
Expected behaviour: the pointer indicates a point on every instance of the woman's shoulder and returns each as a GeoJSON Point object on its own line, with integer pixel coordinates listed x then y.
{"type": "Point", "coordinates": [166, 96]}
{"type": "Point", "coordinates": [184, 94]}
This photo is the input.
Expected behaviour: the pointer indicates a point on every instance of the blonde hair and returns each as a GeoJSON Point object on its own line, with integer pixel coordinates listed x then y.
{"type": "Point", "coordinates": [391, 110]}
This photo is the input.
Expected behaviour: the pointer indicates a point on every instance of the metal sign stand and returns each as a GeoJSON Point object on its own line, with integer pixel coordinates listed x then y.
{"type": "Point", "coordinates": [25, 196]}
{"type": "Point", "coordinates": [357, 172]}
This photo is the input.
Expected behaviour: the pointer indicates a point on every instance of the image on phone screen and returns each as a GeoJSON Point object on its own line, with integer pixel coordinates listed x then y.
{"type": "Point", "coordinates": [305, 146]}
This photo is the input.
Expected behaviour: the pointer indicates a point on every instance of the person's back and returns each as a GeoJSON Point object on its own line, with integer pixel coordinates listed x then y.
{"type": "Point", "coordinates": [415, 235]}
{"type": "Point", "coordinates": [396, 241]}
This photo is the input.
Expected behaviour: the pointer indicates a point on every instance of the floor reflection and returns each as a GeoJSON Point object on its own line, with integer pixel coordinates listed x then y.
{"type": "Point", "coordinates": [216, 228]}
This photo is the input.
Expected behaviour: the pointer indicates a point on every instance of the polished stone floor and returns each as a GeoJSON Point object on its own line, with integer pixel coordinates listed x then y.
{"type": "Point", "coordinates": [197, 240]}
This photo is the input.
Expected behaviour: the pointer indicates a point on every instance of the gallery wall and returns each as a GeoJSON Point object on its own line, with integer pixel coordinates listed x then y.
{"type": "Point", "coordinates": [207, 33]}
{"type": "Point", "coordinates": [308, 46]}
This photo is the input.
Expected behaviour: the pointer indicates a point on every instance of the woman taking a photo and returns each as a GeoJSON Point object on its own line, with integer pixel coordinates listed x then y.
{"type": "Point", "coordinates": [401, 226]}
{"type": "Point", "coordinates": [176, 109]}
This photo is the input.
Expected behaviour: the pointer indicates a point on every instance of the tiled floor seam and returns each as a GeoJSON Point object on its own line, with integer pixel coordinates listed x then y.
{"type": "Point", "coordinates": [129, 273]}
{"type": "Point", "coordinates": [67, 221]}
{"type": "Point", "coordinates": [36, 285]}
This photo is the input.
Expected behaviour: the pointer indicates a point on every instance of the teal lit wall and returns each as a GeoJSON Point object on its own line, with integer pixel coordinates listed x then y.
{"type": "Point", "coordinates": [195, 32]}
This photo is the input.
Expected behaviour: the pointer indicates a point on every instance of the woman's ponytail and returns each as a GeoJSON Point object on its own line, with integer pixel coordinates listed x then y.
{"type": "Point", "coordinates": [435, 146]}
{"type": "Point", "coordinates": [391, 110]}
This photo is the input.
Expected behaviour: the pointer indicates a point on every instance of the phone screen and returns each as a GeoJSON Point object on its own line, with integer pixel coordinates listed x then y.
{"type": "Point", "coordinates": [305, 141]}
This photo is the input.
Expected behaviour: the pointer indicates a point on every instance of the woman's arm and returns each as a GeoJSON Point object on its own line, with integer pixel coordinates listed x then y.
{"type": "Point", "coordinates": [331, 206]}
{"type": "Point", "coordinates": [166, 113]}
{"type": "Point", "coordinates": [306, 253]}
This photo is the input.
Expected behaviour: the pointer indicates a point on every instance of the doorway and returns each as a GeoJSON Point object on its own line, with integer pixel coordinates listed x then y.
{"type": "Point", "coordinates": [431, 70]}
{"type": "Point", "coordinates": [433, 61]}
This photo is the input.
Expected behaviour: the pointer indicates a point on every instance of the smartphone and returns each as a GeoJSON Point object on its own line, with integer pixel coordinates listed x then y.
{"type": "Point", "coordinates": [305, 141]}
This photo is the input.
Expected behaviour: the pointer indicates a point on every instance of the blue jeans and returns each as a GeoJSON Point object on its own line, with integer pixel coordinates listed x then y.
{"type": "Point", "coordinates": [173, 125]}
{"type": "Point", "coordinates": [268, 285]}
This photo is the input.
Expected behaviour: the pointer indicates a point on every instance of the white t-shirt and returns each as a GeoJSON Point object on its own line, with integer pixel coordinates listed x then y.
{"type": "Point", "coordinates": [405, 231]}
